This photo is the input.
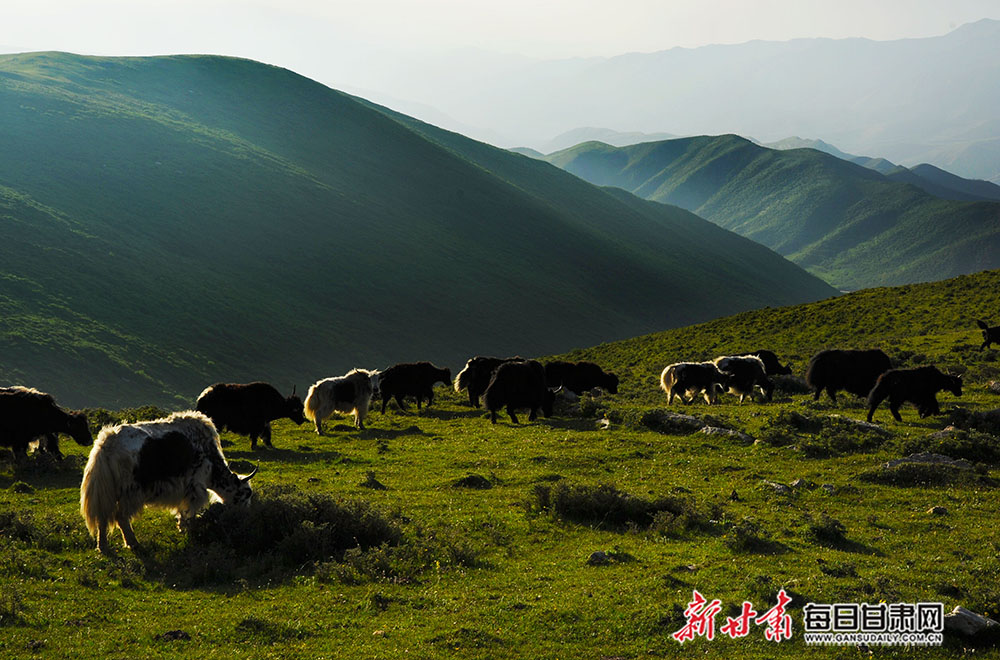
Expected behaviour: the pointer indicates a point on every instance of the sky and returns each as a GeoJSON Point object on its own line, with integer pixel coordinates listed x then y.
{"type": "Point", "coordinates": [290, 32]}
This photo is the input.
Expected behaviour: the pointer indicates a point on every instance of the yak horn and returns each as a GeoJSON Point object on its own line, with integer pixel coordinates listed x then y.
{"type": "Point", "coordinates": [250, 476]}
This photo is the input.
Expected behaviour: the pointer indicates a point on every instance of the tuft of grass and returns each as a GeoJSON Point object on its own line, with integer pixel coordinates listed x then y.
{"type": "Point", "coordinates": [913, 475]}
{"type": "Point", "coordinates": [970, 445]}
{"type": "Point", "coordinates": [827, 531]}
{"type": "Point", "coordinates": [748, 537]}
{"type": "Point", "coordinates": [269, 632]}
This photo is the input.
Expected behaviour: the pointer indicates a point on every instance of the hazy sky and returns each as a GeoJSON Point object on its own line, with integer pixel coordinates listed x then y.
{"type": "Point", "coordinates": [288, 32]}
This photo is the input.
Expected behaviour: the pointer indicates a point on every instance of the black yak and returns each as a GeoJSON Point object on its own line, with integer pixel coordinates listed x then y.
{"type": "Point", "coordinates": [918, 386]}
{"type": "Point", "coordinates": [990, 335]}
{"type": "Point", "coordinates": [414, 379]}
{"type": "Point", "coordinates": [519, 385]}
{"type": "Point", "coordinates": [745, 373]}
{"type": "Point", "coordinates": [476, 375]}
{"type": "Point", "coordinates": [853, 371]}
{"type": "Point", "coordinates": [771, 365]}
{"type": "Point", "coordinates": [579, 377]}
{"type": "Point", "coordinates": [350, 393]}
{"type": "Point", "coordinates": [169, 463]}
{"type": "Point", "coordinates": [26, 414]}
{"type": "Point", "coordinates": [690, 378]}
{"type": "Point", "coordinates": [248, 409]}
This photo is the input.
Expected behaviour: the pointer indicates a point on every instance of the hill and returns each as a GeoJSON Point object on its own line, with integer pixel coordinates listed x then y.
{"type": "Point", "coordinates": [174, 221]}
{"type": "Point", "coordinates": [846, 223]}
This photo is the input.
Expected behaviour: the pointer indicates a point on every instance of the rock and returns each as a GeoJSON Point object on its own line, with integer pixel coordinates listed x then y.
{"type": "Point", "coordinates": [604, 424]}
{"type": "Point", "coordinates": [928, 458]}
{"type": "Point", "coordinates": [828, 489]}
{"type": "Point", "coordinates": [871, 427]}
{"type": "Point", "coordinates": [731, 433]}
{"type": "Point", "coordinates": [598, 558]}
{"type": "Point", "coordinates": [781, 489]}
{"type": "Point", "coordinates": [670, 422]}
{"type": "Point", "coordinates": [966, 622]}
{"type": "Point", "coordinates": [993, 387]}
{"type": "Point", "coordinates": [937, 510]}
{"type": "Point", "coordinates": [803, 483]}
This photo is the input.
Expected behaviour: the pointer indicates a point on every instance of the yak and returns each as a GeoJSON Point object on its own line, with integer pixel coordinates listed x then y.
{"type": "Point", "coordinates": [745, 373]}
{"type": "Point", "coordinates": [26, 414]}
{"type": "Point", "coordinates": [691, 378]}
{"type": "Point", "coordinates": [579, 377]}
{"type": "Point", "coordinates": [853, 371]}
{"type": "Point", "coordinates": [350, 393]}
{"type": "Point", "coordinates": [476, 375]}
{"type": "Point", "coordinates": [519, 385]}
{"type": "Point", "coordinates": [249, 409]}
{"type": "Point", "coordinates": [918, 386]}
{"type": "Point", "coordinates": [990, 335]}
{"type": "Point", "coordinates": [771, 364]}
{"type": "Point", "coordinates": [414, 379]}
{"type": "Point", "coordinates": [172, 463]}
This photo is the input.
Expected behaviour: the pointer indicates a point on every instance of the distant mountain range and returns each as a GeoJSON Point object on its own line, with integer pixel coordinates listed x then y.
{"type": "Point", "coordinates": [912, 101]}
{"type": "Point", "coordinates": [169, 222]}
{"type": "Point", "coordinates": [847, 223]}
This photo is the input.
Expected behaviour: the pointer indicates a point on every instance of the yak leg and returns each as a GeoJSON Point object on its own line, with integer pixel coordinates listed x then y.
{"type": "Point", "coordinates": [399, 402]}
{"type": "Point", "coordinates": [430, 397]}
{"type": "Point", "coordinates": [253, 439]}
{"type": "Point", "coordinates": [127, 533]}
{"type": "Point", "coordinates": [493, 416]}
{"type": "Point", "coordinates": [266, 435]}
{"type": "Point", "coordinates": [832, 392]}
{"type": "Point", "coordinates": [385, 400]}
{"type": "Point", "coordinates": [51, 445]}
{"type": "Point", "coordinates": [473, 400]}
{"type": "Point", "coordinates": [102, 540]}
{"type": "Point", "coordinates": [319, 426]}
{"type": "Point", "coordinates": [533, 415]}
{"type": "Point", "coordinates": [513, 417]}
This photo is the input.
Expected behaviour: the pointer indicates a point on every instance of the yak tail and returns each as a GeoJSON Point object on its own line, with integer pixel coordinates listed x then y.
{"type": "Point", "coordinates": [99, 491]}
{"type": "Point", "coordinates": [982, 325]}
{"type": "Point", "coordinates": [311, 404]}
{"type": "Point", "coordinates": [667, 379]}
{"type": "Point", "coordinates": [462, 381]}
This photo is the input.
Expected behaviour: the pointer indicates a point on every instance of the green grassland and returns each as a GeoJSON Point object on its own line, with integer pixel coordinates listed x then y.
{"type": "Point", "coordinates": [451, 570]}
{"type": "Point", "coordinates": [851, 225]}
{"type": "Point", "coordinates": [170, 222]}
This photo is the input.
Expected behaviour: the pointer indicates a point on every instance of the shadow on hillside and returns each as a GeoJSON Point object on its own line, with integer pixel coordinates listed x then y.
{"type": "Point", "coordinates": [571, 423]}
{"type": "Point", "coordinates": [445, 415]}
{"type": "Point", "coordinates": [239, 460]}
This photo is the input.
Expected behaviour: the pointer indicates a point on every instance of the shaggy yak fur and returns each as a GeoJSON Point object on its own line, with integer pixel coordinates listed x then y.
{"type": "Point", "coordinates": [990, 335]}
{"type": "Point", "coordinates": [745, 372]}
{"type": "Point", "coordinates": [854, 371]}
{"type": "Point", "coordinates": [476, 376]}
{"type": "Point", "coordinates": [579, 377]}
{"type": "Point", "coordinates": [169, 463]}
{"type": "Point", "coordinates": [918, 386]}
{"type": "Point", "coordinates": [414, 379]}
{"type": "Point", "coordinates": [350, 393]}
{"type": "Point", "coordinates": [519, 385]}
{"type": "Point", "coordinates": [771, 365]}
{"type": "Point", "coordinates": [26, 414]}
{"type": "Point", "coordinates": [249, 409]}
{"type": "Point", "coordinates": [690, 378]}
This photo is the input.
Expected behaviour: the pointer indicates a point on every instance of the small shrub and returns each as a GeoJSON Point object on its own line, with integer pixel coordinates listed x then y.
{"type": "Point", "coordinates": [22, 488]}
{"type": "Point", "coordinates": [607, 507]}
{"type": "Point", "coordinates": [269, 632]}
{"type": "Point", "coordinates": [985, 422]}
{"type": "Point", "coordinates": [746, 536]}
{"type": "Point", "coordinates": [371, 482]}
{"type": "Point", "coordinates": [827, 531]}
{"type": "Point", "coordinates": [11, 606]}
{"type": "Point", "coordinates": [923, 474]}
{"type": "Point", "coordinates": [970, 445]}
{"type": "Point", "coordinates": [839, 570]}
{"type": "Point", "coordinates": [474, 481]}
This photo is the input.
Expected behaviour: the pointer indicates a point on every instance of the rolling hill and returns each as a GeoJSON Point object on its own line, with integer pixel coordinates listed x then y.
{"type": "Point", "coordinates": [173, 221]}
{"type": "Point", "coordinates": [844, 222]}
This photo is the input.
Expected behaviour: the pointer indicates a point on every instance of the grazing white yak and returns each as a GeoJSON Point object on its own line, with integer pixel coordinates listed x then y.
{"type": "Point", "coordinates": [169, 463]}
{"type": "Point", "coordinates": [351, 393]}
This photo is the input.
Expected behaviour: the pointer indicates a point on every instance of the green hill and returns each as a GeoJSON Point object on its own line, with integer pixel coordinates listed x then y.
{"type": "Point", "coordinates": [173, 221]}
{"type": "Point", "coordinates": [846, 223]}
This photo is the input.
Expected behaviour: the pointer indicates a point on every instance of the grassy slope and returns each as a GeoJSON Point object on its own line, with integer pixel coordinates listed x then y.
{"type": "Point", "coordinates": [189, 219]}
{"type": "Point", "coordinates": [844, 222]}
{"type": "Point", "coordinates": [531, 593]}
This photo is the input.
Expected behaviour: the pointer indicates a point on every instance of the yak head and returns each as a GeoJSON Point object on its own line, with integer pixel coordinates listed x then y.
{"type": "Point", "coordinates": [954, 384]}
{"type": "Point", "coordinates": [77, 428]}
{"type": "Point", "coordinates": [294, 409]}
{"type": "Point", "coordinates": [231, 487]}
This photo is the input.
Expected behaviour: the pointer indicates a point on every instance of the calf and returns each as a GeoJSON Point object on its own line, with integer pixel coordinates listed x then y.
{"type": "Point", "coordinates": [350, 393]}
{"type": "Point", "coordinates": [854, 371]}
{"type": "Point", "coordinates": [414, 379]}
{"type": "Point", "coordinates": [918, 386]}
{"type": "Point", "coordinates": [691, 378]}
{"type": "Point", "coordinates": [579, 377]}
{"type": "Point", "coordinates": [172, 463]}
{"type": "Point", "coordinates": [476, 375]}
{"type": "Point", "coordinates": [519, 385]}
{"type": "Point", "coordinates": [249, 409]}
{"type": "Point", "coordinates": [771, 364]}
{"type": "Point", "coordinates": [26, 414]}
{"type": "Point", "coordinates": [745, 373]}
{"type": "Point", "coordinates": [990, 335]}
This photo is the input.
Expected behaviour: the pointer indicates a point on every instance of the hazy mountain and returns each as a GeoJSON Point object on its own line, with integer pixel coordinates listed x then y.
{"type": "Point", "coordinates": [931, 179]}
{"type": "Point", "coordinates": [173, 221]}
{"type": "Point", "coordinates": [844, 222]}
{"type": "Point", "coordinates": [605, 135]}
{"type": "Point", "coordinates": [911, 101]}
